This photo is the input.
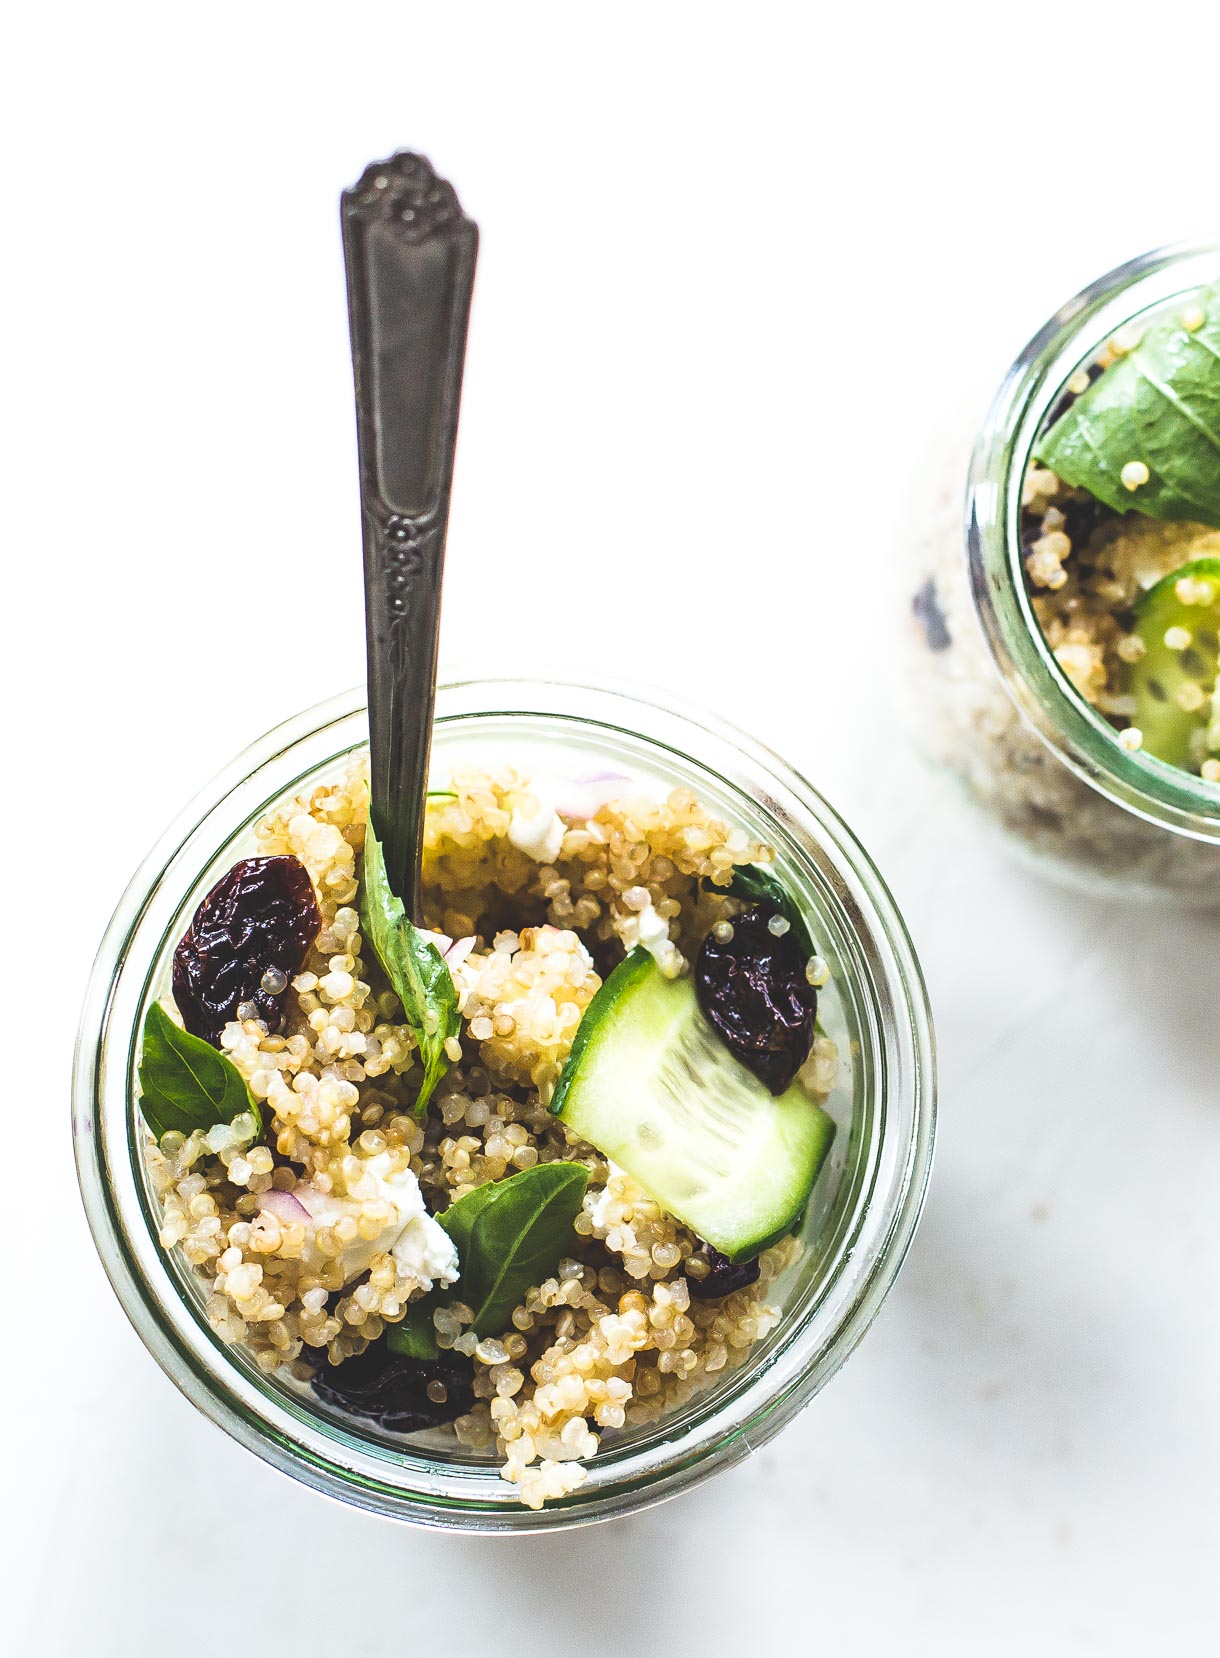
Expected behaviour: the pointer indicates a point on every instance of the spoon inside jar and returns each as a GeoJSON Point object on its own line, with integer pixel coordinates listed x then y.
{"type": "Point", "coordinates": [410, 254]}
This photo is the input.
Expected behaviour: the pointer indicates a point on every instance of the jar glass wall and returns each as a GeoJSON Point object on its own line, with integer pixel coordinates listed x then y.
{"type": "Point", "coordinates": [997, 710]}
{"type": "Point", "coordinates": [860, 1219]}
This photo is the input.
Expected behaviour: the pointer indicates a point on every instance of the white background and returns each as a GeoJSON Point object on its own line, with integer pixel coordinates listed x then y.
{"type": "Point", "coordinates": [737, 263]}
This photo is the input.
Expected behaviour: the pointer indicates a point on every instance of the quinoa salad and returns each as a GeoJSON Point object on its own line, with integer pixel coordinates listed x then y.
{"type": "Point", "coordinates": [526, 1176]}
{"type": "Point", "coordinates": [1120, 556]}
{"type": "Point", "coordinates": [1123, 575]}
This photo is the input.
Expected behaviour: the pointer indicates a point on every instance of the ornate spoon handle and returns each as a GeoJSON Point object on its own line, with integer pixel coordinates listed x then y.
{"type": "Point", "coordinates": [410, 253]}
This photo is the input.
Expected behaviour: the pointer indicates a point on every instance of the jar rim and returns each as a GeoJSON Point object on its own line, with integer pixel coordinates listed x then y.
{"type": "Point", "coordinates": [1077, 734]}
{"type": "Point", "coordinates": [335, 1461]}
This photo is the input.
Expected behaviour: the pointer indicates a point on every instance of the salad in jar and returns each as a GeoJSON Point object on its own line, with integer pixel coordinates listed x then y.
{"type": "Point", "coordinates": [526, 1175]}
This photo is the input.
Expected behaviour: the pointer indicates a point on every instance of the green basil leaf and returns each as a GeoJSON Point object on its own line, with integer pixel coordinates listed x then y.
{"type": "Point", "coordinates": [458, 1220]}
{"type": "Point", "coordinates": [1160, 404]}
{"type": "Point", "coordinates": [413, 965]}
{"type": "Point", "coordinates": [186, 1083]}
{"type": "Point", "coordinates": [758, 886]}
{"type": "Point", "coordinates": [415, 1337]}
{"type": "Point", "coordinates": [511, 1234]}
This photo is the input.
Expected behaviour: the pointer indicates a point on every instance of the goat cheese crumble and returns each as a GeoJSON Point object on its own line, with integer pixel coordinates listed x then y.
{"type": "Point", "coordinates": [420, 1247]}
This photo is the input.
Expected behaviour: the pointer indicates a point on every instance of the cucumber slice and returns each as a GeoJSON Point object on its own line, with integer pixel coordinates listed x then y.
{"type": "Point", "coordinates": [651, 1085]}
{"type": "Point", "coordinates": [1172, 732]}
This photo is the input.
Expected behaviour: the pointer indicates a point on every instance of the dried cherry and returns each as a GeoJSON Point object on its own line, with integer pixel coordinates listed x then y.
{"type": "Point", "coordinates": [255, 925]}
{"type": "Point", "coordinates": [754, 989]}
{"type": "Point", "coordinates": [391, 1389]}
{"type": "Point", "coordinates": [722, 1277]}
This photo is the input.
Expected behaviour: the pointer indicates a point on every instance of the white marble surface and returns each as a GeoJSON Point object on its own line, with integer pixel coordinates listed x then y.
{"type": "Point", "coordinates": [779, 249]}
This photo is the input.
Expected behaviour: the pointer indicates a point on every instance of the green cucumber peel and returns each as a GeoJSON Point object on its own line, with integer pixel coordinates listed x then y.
{"type": "Point", "coordinates": [653, 1087]}
{"type": "Point", "coordinates": [1173, 734]}
{"type": "Point", "coordinates": [636, 964]}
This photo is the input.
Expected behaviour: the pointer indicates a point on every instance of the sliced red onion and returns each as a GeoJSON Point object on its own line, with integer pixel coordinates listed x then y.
{"type": "Point", "coordinates": [457, 952]}
{"type": "Point", "coordinates": [284, 1206]}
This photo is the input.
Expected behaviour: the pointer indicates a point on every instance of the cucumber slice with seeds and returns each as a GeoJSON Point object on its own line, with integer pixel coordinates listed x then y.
{"type": "Point", "coordinates": [1172, 732]}
{"type": "Point", "coordinates": [651, 1085]}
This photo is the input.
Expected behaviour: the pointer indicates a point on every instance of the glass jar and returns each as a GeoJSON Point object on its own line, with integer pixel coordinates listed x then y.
{"type": "Point", "coordinates": [996, 710]}
{"type": "Point", "coordinates": [862, 1213]}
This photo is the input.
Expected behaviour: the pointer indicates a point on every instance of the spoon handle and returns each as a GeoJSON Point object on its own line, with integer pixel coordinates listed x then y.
{"type": "Point", "coordinates": [410, 254]}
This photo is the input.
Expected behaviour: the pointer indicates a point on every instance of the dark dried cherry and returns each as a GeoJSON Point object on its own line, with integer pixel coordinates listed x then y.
{"type": "Point", "coordinates": [257, 922]}
{"type": "Point", "coordinates": [391, 1389]}
{"type": "Point", "coordinates": [754, 989]}
{"type": "Point", "coordinates": [722, 1277]}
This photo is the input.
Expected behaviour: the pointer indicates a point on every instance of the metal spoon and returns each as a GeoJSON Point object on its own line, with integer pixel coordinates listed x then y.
{"type": "Point", "coordinates": [410, 253]}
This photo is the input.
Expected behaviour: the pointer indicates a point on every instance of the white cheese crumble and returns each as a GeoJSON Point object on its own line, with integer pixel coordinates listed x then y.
{"type": "Point", "coordinates": [648, 928]}
{"type": "Point", "coordinates": [422, 1249]}
{"type": "Point", "coordinates": [597, 1206]}
{"type": "Point", "coordinates": [539, 836]}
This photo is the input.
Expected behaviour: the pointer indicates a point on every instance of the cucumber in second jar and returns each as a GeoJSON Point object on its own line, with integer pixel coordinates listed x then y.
{"type": "Point", "coordinates": [653, 1087]}
{"type": "Point", "coordinates": [1174, 683]}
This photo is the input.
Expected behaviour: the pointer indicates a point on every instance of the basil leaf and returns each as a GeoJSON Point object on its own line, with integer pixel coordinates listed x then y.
{"type": "Point", "coordinates": [458, 1220]}
{"type": "Point", "coordinates": [758, 886]}
{"type": "Point", "coordinates": [511, 1234]}
{"type": "Point", "coordinates": [415, 1337]}
{"type": "Point", "coordinates": [1160, 404]}
{"type": "Point", "coordinates": [186, 1083]}
{"type": "Point", "coordinates": [413, 965]}
{"type": "Point", "coordinates": [502, 1254]}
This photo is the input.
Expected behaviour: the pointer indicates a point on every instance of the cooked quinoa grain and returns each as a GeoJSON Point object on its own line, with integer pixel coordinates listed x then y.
{"type": "Point", "coordinates": [533, 909]}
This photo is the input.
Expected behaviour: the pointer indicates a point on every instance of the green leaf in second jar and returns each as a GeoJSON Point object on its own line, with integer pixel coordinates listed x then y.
{"type": "Point", "coordinates": [1145, 436]}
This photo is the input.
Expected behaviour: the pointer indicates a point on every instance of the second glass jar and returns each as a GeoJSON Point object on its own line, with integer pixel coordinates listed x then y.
{"type": "Point", "coordinates": [997, 711]}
